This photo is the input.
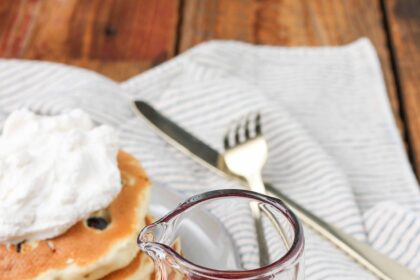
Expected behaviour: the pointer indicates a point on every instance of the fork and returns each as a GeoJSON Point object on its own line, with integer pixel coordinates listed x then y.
{"type": "Point", "coordinates": [245, 156]}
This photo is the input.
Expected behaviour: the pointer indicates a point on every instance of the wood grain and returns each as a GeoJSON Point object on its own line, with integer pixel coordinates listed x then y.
{"type": "Point", "coordinates": [404, 22]}
{"type": "Point", "coordinates": [116, 38]}
{"type": "Point", "coordinates": [290, 23]}
{"type": "Point", "coordinates": [121, 38]}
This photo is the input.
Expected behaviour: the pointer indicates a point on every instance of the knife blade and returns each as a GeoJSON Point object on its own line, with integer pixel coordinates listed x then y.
{"type": "Point", "coordinates": [183, 140]}
{"type": "Point", "coordinates": [375, 262]}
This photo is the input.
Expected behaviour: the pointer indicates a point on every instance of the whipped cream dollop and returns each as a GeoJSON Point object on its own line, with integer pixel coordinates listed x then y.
{"type": "Point", "coordinates": [54, 172]}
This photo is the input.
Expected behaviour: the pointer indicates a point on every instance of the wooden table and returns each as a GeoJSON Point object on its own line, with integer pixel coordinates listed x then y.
{"type": "Point", "coordinates": [121, 38]}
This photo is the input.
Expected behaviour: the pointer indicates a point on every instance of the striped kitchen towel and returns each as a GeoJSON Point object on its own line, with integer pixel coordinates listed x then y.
{"type": "Point", "coordinates": [333, 143]}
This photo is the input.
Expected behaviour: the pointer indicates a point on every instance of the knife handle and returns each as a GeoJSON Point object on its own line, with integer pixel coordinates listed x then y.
{"type": "Point", "coordinates": [380, 265]}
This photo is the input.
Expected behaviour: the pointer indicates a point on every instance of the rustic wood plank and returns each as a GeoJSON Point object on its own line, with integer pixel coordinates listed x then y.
{"type": "Point", "coordinates": [290, 23]}
{"type": "Point", "coordinates": [117, 38]}
{"type": "Point", "coordinates": [404, 21]}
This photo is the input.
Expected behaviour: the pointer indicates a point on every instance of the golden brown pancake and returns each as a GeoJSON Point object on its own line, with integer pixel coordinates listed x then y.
{"type": "Point", "coordinates": [84, 252]}
{"type": "Point", "coordinates": [141, 268]}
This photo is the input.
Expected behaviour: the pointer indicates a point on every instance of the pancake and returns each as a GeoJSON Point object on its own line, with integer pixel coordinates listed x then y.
{"type": "Point", "coordinates": [142, 267]}
{"type": "Point", "coordinates": [90, 249]}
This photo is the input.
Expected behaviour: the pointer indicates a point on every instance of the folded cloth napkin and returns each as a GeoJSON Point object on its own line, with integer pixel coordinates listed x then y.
{"type": "Point", "coordinates": [333, 143]}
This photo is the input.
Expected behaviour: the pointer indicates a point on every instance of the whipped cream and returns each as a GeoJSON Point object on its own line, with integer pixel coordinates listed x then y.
{"type": "Point", "coordinates": [54, 172]}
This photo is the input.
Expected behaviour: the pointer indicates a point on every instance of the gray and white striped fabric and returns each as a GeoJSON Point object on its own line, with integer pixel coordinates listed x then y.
{"type": "Point", "coordinates": [333, 143]}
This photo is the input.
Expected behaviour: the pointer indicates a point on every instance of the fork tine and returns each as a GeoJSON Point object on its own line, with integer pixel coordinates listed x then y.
{"type": "Point", "coordinates": [258, 124]}
{"type": "Point", "coordinates": [249, 128]}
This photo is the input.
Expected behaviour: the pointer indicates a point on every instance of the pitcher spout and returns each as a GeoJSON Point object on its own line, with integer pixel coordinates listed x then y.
{"type": "Point", "coordinates": [151, 236]}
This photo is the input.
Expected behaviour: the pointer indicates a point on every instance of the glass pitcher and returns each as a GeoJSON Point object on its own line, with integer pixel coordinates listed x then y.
{"type": "Point", "coordinates": [281, 229]}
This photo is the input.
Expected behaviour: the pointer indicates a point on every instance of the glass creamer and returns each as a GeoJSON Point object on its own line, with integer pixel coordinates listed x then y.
{"type": "Point", "coordinates": [282, 231]}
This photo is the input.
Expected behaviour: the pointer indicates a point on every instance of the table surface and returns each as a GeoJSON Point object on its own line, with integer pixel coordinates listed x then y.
{"type": "Point", "coordinates": [122, 38]}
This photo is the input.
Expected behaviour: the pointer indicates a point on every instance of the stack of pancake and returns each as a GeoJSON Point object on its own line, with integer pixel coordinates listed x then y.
{"type": "Point", "coordinates": [102, 246]}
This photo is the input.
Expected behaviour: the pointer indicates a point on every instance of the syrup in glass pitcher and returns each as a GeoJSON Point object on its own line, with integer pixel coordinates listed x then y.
{"type": "Point", "coordinates": [282, 230]}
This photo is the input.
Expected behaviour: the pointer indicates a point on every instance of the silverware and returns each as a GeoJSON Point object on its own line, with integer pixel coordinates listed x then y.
{"type": "Point", "coordinates": [378, 264]}
{"type": "Point", "coordinates": [245, 155]}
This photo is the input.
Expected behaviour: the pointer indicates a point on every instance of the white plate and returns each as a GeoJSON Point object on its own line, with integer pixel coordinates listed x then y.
{"type": "Point", "coordinates": [201, 236]}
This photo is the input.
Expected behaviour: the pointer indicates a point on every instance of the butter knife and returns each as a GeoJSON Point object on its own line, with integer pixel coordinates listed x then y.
{"type": "Point", "coordinates": [378, 264]}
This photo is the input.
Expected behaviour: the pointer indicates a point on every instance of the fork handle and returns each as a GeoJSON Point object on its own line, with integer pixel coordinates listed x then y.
{"type": "Point", "coordinates": [256, 184]}
{"type": "Point", "coordinates": [375, 262]}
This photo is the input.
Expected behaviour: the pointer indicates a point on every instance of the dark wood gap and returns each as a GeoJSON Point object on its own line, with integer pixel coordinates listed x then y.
{"type": "Point", "coordinates": [398, 88]}
{"type": "Point", "coordinates": [178, 30]}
